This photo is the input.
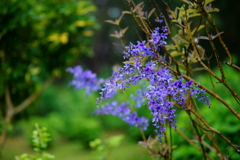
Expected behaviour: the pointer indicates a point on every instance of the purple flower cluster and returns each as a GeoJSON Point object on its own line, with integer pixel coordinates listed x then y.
{"type": "Point", "coordinates": [84, 80]}
{"type": "Point", "coordinates": [139, 97]}
{"type": "Point", "coordinates": [159, 36]}
{"type": "Point", "coordinates": [163, 89]}
{"type": "Point", "coordinates": [124, 112]}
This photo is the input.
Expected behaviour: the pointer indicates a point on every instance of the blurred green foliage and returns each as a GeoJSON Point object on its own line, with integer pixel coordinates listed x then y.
{"type": "Point", "coordinates": [66, 113]}
{"type": "Point", "coordinates": [102, 149]}
{"type": "Point", "coordinates": [40, 141]}
{"type": "Point", "coordinates": [39, 39]}
{"type": "Point", "coordinates": [219, 116]}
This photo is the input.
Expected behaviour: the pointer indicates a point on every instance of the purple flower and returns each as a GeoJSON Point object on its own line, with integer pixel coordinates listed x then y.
{"type": "Point", "coordinates": [84, 80]}
{"type": "Point", "coordinates": [124, 112]}
{"type": "Point", "coordinates": [160, 93]}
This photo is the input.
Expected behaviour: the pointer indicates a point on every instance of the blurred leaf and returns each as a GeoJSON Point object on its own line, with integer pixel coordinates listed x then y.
{"type": "Point", "coordinates": [212, 37]}
{"type": "Point", "coordinates": [190, 11]}
{"type": "Point", "coordinates": [151, 12]}
{"type": "Point", "coordinates": [176, 53]}
{"type": "Point", "coordinates": [126, 12]}
{"type": "Point", "coordinates": [199, 28]}
{"type": "Point", "coordinates": [110, 21]}
{"type": "Point", "coordinates": [206, 2]}
{"type": "Point", "coordinates": [194, 15]}
{"type": "Point", "coordinates": [138, 7]}
{"type": "Point", "coordinates": [119, 19]}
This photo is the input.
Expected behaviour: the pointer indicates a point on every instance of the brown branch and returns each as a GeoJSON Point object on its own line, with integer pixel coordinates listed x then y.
{"type": "Point", "coordinates": [191, 143]}
{"type": "Point", "coordinates": [218, 151]}
{"type": "Point", "coordinates": [172, 58]}
{"type": "Point", "coordinates": [199, 137]}
{"type": "Point", "coordinates": [235, 95]}
{"type": "Point", "coordinates": [214, 51]}
{"type": "Point", "coordinates": [9, 106]}
{"type": "Point", "coordinates": [232, 65]}
{"type": "Point", "coordinates": [214, 130]}
{"type": "Point", "coordinates": [211, 22]}
{"type": "Point", "coordinates": [206, 89]}
{"type": "Point", "coordinates": [32, 97]}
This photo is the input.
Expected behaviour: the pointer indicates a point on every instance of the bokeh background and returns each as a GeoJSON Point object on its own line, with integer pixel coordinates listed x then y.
{"type": "Point", "coordinates": [39, 39]}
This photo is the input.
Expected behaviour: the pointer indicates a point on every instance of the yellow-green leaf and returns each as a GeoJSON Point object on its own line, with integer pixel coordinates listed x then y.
{"type": "Point", "coordinates": [176, 53]}
{"type": "Point", "coordinates": [126, 12]}
{"type": "Point", "coordinates": [194, 15]}
{"type": "Point", "coordinates": [199, 28]}
{"type": "Point", "coordinates": [208, 1]}
{"type": "Point", "coordinates": [189, 11]}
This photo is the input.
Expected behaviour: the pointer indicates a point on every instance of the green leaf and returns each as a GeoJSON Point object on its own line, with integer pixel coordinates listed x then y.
{"type": "Point", "coordinates": [176, 53]}
{"type": "Point", "coordinates": [194, 15]}
{"type": "Point", "coordinates": [207, 2]}
{"type": "Point", "coordinates": [189, 11]}
{"type": "Point", "coordinates": [199, 28]}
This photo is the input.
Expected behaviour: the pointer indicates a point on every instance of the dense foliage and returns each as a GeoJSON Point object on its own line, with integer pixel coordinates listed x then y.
{"type": "Point", "coordinates": [38, 40]}
{"type": "Point", "coordinates": [165, 72]}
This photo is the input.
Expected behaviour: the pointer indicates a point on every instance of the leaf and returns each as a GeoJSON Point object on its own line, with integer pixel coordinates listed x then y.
{"type": "Point", "coordinates": [182, 39]}
{"type": "Point", "coordinates": [176, 53]}
{"type": "Point", "coordinates": [172, 14]}
{"type": "Point", "coordinates": [210, 9]}
{"type": "Point", "coordinates": [119, 19]}
{"type": "Point", "coordinates": [174, 20]}
{"type": "Point", "coordinates": [130, 62]}
{"type": "Point", "coordinates": [114, 35]}
{"type": "Point", "coordinates": [151, 12]}
{"type": "Point", "coordinates": [141, 17]}
{"type": "Point", "coordinates": [144, 59]}
{"type": "Point", "coordinates": [194, 15]}
{"type": "Point", "coordinates": [152, 141]}
{"type": "Point", "coordinates": [203, 37]}
{"type": "Point", "coordinates": [188, 2]}
{"type": "Point", "coordinates": [110, 21]}
{"type": "Point", "coordinates": [123, 31]}
{"type": "Point", "coordinates": [197, 69]}
{"type": "Point", "coordinates": [212, 37]}
{"type": "Point", "coordinates": [207, 2]}
{"type": "Point", "coordinates": [189, 11]}
{"type": "Point", "coordinates": [119, 34]}
{"type": "Point", "coordinates": [126, 12]}
{"type": "Point", "coordinates": [201, 51]}
{"type": "Point", "coordinates": [199, 28]}
{"type": "Point", "coordinates": [144, 144]}
{"type": "Point", "coordinates": [172, 46]}
{"type": "Point", "coordinates": [137, 7]}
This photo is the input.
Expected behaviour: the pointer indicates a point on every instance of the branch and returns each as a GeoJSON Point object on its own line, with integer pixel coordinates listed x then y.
{"type": "Point", "coordinates": [206, 89]}
{"type": "Point", "coordinates": [9, 106]}
{"type": "Point", "coordinates": [32, 97]}
{"type": "Point", "coordinates": [214, 130]}
{"type": "Point", "coordinates": [232, 65]}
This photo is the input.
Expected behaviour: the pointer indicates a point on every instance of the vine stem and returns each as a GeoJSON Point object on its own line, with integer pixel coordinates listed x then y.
{"type": "Point", "coordinates": [206, 89]}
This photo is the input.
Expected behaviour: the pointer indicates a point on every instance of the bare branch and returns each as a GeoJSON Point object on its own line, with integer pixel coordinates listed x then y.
{"type": "Point", "coordinates": [32, 97]}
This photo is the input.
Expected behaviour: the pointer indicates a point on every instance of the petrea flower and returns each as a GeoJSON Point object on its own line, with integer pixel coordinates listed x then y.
{"type": "Point", "coordinates": [158, 38]}
{"type": "Point", "coordinates": [163, 89]}
{"type": "Point", "coordinates": [124, 112]}
{"type": "Point", "coordinates": [160, 93]}
{"type": "Point", "coordinates": [84, 79]}
{"type": "Point", "coordinates": [139, 97]}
